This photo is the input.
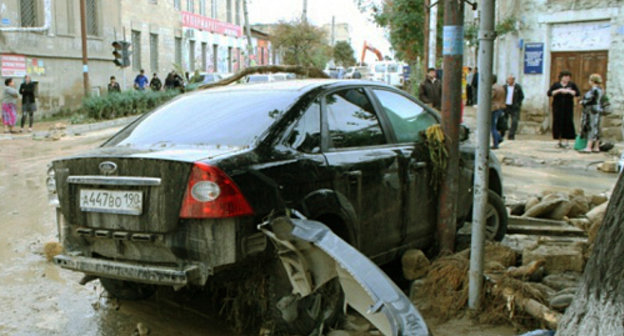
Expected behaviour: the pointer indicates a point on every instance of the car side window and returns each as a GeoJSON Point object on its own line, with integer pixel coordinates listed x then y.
{"type": "Point", "coordinates": [407, 118]}
{"type": "Point", "coordinates": [306, 135]}
{"type": "Point", "coordinates": [352, 121]}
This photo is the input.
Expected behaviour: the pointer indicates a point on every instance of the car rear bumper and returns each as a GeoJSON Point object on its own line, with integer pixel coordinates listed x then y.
{"type": "Point", "coordinates": [150, 274]}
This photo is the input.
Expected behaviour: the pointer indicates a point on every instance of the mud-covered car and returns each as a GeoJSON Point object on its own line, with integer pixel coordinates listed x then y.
{"type": "Point", "coordinates": [174, 199]}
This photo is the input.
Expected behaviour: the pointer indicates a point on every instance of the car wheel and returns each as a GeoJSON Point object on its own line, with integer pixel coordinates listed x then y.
{"type": "Point", "coordinates": [495, 217]}
{"type": "Point", "coordinates": [303, 316]}
{"type": "Point", "coordinates": [126, 290]}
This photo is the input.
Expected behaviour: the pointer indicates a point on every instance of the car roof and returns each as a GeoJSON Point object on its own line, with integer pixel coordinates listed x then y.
{"type": "Point", "coordinates": [301, 85]}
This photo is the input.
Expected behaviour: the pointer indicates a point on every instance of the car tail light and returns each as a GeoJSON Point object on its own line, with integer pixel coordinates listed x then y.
{"type": "Point", "coordinates": [210, 193]}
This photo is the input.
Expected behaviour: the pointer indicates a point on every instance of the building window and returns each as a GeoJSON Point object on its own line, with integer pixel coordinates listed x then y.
{"type": "Point", "coordinates": [64, 17]}
{"type": "Point", "coordinates": [213, 9]}
{"type": "Point", "coordinates": [93, 27]}
{"type": "Point", "coordinates": [204, 56]}
{"type": "Point", "coordinates": [202, 7]}
{"type": "Point", "coordinates": [191, 55]}
{"type": "Point", "coordinates": [136, 50]}
{"type": "Point", "coordinates": [178, 51]}
{"type": "Point", "coordinates": [237, 13]}
{"type": "Point", "coordinates": [154, 52]}
{"type": "Point", "coordinates": [229, 11]}
{"type": "Point", "coordinates": [190, 6]}
{"type": "Point", "coordinates": [176, 4]}
{"type": "Point", "coordinates": [28, 13]}
{"type": "Point", "coordinates": [215, 57]}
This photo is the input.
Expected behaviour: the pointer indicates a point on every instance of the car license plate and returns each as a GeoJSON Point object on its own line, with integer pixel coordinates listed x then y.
{"type": "Point", "coordinates": [109, 201]}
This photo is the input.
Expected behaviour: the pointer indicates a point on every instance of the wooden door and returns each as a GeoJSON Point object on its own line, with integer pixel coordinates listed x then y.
{"type": "Point", "coordinates": [581, 64]}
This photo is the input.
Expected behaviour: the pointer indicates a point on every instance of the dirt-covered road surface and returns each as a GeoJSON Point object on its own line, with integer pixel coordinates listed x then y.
{"type": "Point", "coordinates": [39, 298]}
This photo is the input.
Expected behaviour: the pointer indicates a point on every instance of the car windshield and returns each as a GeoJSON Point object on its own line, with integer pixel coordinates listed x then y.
{"type": "Point", "coordinates": [226, 118]}
{"type": "Point", "coordinates": [380, 68]}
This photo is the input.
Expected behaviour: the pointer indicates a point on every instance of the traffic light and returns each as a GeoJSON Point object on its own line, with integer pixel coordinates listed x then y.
{"type": "Point", "coordinates": [121, 51]}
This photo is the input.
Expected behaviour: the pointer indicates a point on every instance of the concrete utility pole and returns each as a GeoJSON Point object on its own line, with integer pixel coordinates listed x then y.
{"type": "Point", "coordinates": [433, 33]}
{"type": "Point", "coordinates": [486, 46]}
{"type": "Point", "coordinates": [304, 16]}
{"type": "Point", "coordinates": [250, 48]}
{"type": "Point", "coordinates": [333, 31]}
{"type": "Point", "coordinates": [426, 37]}
{"type": "Point", "coordinates": [453, 50]}
{"type": "Point", "coordinates": [83, 35]}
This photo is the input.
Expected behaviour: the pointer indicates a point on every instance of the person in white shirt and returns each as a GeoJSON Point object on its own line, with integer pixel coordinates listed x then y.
{"type": "Point", "coordinates": [513, 101]}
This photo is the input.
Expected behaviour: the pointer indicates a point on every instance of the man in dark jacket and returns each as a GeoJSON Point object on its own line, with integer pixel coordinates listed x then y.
{"type": "Point", "coordinates": [155, 83]}
{"type": "Point", "coordinates": [513, 101]}
{"type": "Point", "coordinates": [430, 91]}
{"type": "Point", "coordinates": [113, 86]}
{"type": "Point", "coordinates": [27, 90]}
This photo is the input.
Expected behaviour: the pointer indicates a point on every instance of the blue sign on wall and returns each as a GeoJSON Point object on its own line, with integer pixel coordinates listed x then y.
{"type": "Point", "coordinates": [534, 58]}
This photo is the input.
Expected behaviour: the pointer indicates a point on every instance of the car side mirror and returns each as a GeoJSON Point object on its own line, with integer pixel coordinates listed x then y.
{"type": "Point", "coordinates": [464, 133]}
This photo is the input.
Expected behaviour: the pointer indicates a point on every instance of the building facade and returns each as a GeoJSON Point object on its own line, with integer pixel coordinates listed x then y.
{"type": "Point", "coordinates": [545, 37]}
{"type": "Point", "coordinates": [185, 35]}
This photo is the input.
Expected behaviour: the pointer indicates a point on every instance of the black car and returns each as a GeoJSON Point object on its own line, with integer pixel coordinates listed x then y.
{"type": "Point", "coordinates": [175, 197]}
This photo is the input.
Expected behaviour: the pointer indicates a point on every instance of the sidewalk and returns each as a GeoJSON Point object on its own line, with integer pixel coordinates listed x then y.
{"type": "Point", "coordinates": [44, 130]}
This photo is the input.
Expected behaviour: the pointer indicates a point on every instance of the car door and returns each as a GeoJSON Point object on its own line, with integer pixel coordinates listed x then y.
{"type": "Point", "coordinates": [365, 167]}
{"type": "Point", "coordinates": [407, 119]}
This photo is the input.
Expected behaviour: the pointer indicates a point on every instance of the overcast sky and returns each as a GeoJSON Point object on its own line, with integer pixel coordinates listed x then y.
{"type": "Point", "coordinates": [321, 12]}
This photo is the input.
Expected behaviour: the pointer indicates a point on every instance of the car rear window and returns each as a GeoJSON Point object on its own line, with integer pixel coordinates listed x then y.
{"type": "Point", "coordinates": [228, 118]}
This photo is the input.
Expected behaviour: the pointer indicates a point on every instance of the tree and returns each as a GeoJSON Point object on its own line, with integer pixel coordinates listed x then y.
{"type": "Point", "coordinates": [343, 54]}
{"type": "Point", "coordinates": [302, 44]}
{"type": "Point", "coordinates": [598, 305]}
{"type": "Point", "coordinates": [404, 20]}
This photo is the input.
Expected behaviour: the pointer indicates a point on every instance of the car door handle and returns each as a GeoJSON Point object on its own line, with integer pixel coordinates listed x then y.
{"type": "Point", "coordinates": [416, 165]}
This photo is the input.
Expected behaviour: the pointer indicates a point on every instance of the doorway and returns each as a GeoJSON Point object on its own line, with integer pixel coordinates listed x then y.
{"type": "Point", "coordinates": [581, 64]}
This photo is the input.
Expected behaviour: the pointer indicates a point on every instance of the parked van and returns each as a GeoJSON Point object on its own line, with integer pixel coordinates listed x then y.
{"type": "Point", "coordinates": [389, 72]}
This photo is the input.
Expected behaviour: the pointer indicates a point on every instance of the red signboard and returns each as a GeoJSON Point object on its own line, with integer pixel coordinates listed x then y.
{"type": "Point", "coordinates": [13, 65]}
{"type": "Point", "coordinates": [201, 22]}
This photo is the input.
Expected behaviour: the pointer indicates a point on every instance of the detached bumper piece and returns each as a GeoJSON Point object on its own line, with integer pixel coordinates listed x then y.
{"type": "Point", "coordinates": [307, 248]}
{"type": "Point", "coordinates": [156, 275]}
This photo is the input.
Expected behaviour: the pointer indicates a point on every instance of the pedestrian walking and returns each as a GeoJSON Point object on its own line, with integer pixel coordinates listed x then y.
{"type": "Point", "coordinates": [475, 86]}
{"type": "Point", "coordinates": [169, 81]}
{"type": "Point", "coordinates": [155, 83]}
{"type": "Point", "coordinates": [469, 76]}
{"type": "Point", "coordinates": [141, 81]}
{"type": "Point", "coordinates": [513, 102]}
{"type": "Point", "coordinates": [498, 108]}
{"type": "Point", "coordinates": [9, 105]}
{"type": "Point", "coordinates": [592, 109]}
{"type": "Point", "coordinates": [29, 106]}
{"type": "Point", "coordinates": [563, 93]}
{"type": "Point", "coordinates": [113, 86]}
{"type": "Point", "coordinates": [430, 91]}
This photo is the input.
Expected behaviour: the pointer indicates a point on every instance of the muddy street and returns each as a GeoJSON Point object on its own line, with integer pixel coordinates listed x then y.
{"type": "Point", "coordinates": [39, 298]}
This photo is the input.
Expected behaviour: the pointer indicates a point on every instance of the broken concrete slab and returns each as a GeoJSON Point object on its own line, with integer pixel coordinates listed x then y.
{"type": "Point", "coordinates": [608, 167]}
{"type": "Point", "coordinates": [545, 206]}
{"type": "Point", "coordinates": [596, 200]}
{"type": "Point", "coordinates": [597, 214]}
{"type": "Point", "coordinates": [560, 281]}
{"type": "Point", "coordinates": [557, 257]}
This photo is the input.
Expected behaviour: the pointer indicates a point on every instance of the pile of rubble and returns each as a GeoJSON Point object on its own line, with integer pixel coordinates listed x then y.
{"type": "Point", "coordinates": [528, 284]}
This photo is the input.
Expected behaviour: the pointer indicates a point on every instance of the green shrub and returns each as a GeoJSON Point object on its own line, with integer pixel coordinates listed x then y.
{"type": "Point", "coordinates": [123, 104]}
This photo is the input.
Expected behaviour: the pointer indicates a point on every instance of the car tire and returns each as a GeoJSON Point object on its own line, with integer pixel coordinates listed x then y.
{"type": "Point", "coordinates": [303, 316]}
{"type": "Point", "coordinates": [496, 217]}
{"type": "Point", "coordinates": [126, 290]}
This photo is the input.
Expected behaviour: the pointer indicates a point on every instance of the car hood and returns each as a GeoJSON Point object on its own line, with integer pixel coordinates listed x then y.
{"type": "Point", "coordinates": [175, 153]}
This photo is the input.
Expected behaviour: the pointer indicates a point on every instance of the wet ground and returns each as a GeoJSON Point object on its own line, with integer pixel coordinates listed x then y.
{"type": "Point", "coordinates": [38, 298]}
